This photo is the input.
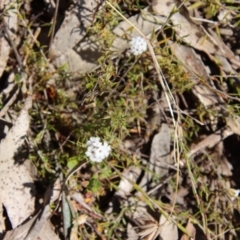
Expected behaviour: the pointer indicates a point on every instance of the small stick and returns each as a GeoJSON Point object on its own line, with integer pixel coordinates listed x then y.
{"type": "Point", "coordinates": [54, 23]}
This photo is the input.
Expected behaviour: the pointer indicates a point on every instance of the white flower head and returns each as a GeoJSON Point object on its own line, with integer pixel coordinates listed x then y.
{"type": "Point", "coordinates": [138, 45]}
{"type": "Point", "coordinates": [94, 141]}
{"type": "Point", "coordinates": [97, 150]}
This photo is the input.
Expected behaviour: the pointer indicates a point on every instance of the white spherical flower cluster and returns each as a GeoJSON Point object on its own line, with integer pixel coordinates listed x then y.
{"type": "Point", "coordinates": [138, 45]}
{"type": "Point", "coordinates": [97, 150]}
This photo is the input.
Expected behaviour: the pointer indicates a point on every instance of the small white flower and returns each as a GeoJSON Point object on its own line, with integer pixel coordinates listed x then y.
{"type": "Point", "coordinates": [97, 150]}
{"type": "Point", "coordinates": [138, 45]}
{"type": "Point", "coordinates": [94, 141]}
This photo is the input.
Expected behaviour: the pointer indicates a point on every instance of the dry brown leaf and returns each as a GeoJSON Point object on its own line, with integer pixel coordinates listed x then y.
{"type": "Point", "coordinates": [39, 226]}
{"type": "Point", "coordinates": [227, 53]}
{"type": "Point", "coordinates": [71, 32]}
{"type": "Point", "coordinates": [187, 30]}
{"type": "Point", "coordinates": [16, 183]}
{"type": "Point", "coordinates": [199, 76]}
{"type": "Point", "coordinates": [210, 141]}
{"type": "Point", "coordinates": [191, 232]}
{"type": "Point", "coordinates": [42, 229]}
{"type": "Point", "coordinates": [169, 229]}
{"type": "Point", "coordinates": [160, 152]}
{"type": "Point", "coordinates": [20, 232]}
{"type": "Point", "coordinates": [191, 32]}
{"type": "Point", "coordinates": [125, 186]}
{"type": "Point", "coordinates": [150, 229]}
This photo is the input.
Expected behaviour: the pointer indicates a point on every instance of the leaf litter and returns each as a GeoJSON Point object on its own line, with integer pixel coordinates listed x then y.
{"type": "Point", "coordinates": [170, 116]}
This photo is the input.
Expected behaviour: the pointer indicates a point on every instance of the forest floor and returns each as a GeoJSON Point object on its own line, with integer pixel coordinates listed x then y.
{"type": "Point", "coordinates": [119, 119]}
